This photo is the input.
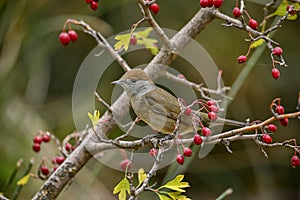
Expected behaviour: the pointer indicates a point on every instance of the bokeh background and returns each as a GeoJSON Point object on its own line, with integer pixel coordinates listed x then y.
{"type": "Point", "coordinates": [37, 75]}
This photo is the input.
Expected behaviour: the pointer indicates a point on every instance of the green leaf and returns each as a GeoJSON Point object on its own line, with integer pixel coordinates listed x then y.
{"type": "Point", "coordinates": [123, 41]}
{"type": "Point", "coordinates": [122, 188]}
{"type": "Point", "coordinates": [177, 196]}
{"type": "Point", "coordinates": [95, 117]}
{"type": "Point", "coordinates": [257, 43]}
{"type": "Point", "coordinates": [143, 34]}
{"type": "Point", "coordinates": [141, 176]}
{"type": "Point", "coordinates": [176, 184]}
{"type": "Point", "coordinates": [162, 197]}
{"type": "Point", "coordinates": [281, 9]}
{"type": "Point", "coordinates": [24, 180]}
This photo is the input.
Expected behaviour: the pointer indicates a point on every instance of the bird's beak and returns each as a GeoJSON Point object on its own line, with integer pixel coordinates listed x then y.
{"type": "Point", "coordinates": [118, 82]}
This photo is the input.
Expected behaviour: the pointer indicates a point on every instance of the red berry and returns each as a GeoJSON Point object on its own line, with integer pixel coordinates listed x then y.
{"type": "Point", "coordinates": [94, 5]}
{"type": "Point", "coordinates": [267, 138]}
{"type": "Point", "coordinates": [203, 3]}
{"type": "Point", "coordinates": [37, 139]}
{"type": "Point", "coordinates": [275, 73]}
{"type": "Point", "coordinates": [291, 12]}
{"type": "Point", "coordinates": [88, 1]}
{"type": "Point", "coordinates": [46, 138]}
{"type": "Point", "coordinates": [253, 24]}
{"type": "Point", "coordinates": [236, 12]}
{"type": "Point", "coordinates": [154, 8]}
{"type": "Point", "coordinates": [64, 38]}
{"type": "Point", "coordinates": [242, 59]}
{"type": "Point", "coordinates": [45, 170]}
{"type": "Point", "coordinates": [188, 111]}
{"type": "Point", "coordinates": [180, 159]}
{"type": "Point", "coordinates": [213, 108]}
{"type": "Point", "coordinates": [125, 164]}
{"type": "Point", "coordinates": [153, 152]}
{"type": "Point", "coordinates": [284, 121]}
{"type": "Point", "coordinates": [36, 147]}
{"type": "Point", "coordinates": [279, 109]}
{"type": "Point", "coordinates": [212, 116]}
{"type": "Point", "coordinates": [218, 3]}
{"type": "Point", "coordinates": [187, 151]}
{"type": "Point", "coordinates": [206, 131]}
{"type": "Point", "coordinates": [68, 147]}
{"type": "Point", "coordinates": [59, 159]}
{"type": "Point", "coordinates": [295, 161]}
{"type": "Point", "coordinates": [277, 51]}
{"type": "Point", "coordinates": [73, 35]}
{"type": "Point", "coordinates": [272, 127]}
{"type": "Point", "coordinates": [210, 3]}
{"type": "Point", "coordinates": [197, 139]}
{"type": "Point", "coordinates": [211, 102]}
{"type": "Point", "coordinates": [133, 40]}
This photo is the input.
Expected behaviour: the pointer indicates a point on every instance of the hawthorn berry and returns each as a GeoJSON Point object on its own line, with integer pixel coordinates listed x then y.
{"type": "Point", "coordinates": [125, 164]}
{"type": "Point", "coordinates": [206, 131]}
{"type": "Point", "coordinates": [295, 161]}
{"type": "Point", "coordinates": [68, 147]}
{"type": "Point", "coordinates": [242, 59]}
{"type": "Point", "coordinates": [88, 1]}
{"type": "Point", "coordinates": [284, 121]}
{"type": "Point", "coordinates": [133, 40]}
{"type": "Point", "coordinates": [187, 151]}
{"type": "Point", "coordinates": [154, 8]}
{"type": "Point", "coordinates": [292, 11]}
{"type": "Point", "coordinates": [267, 138]}
{"type": "Point", "coordinates": [203, 3]}
{"type": "Point", "coordinates": [46, 138]}
{"type": "Point", "coordinates": [73, 35]}
{"type": "Point", "coordinates": [94, 5]}
{"type": "Point", "coordinates": [275, 73]}
{"type": "Point", "coordinates": [213, 108]}
{"type": "Point", "coordinates": [64, 38]}
{"type": "Point", "coordinates": [36, 147]}
{"type": "Point", "coordinates": [272, 127]}
{"type": "Point", "coordinates": [279, 109]}
{"type": "Point", "coordinates": [277, 51]}
{"type": "Point", "coordinates": [197, 139]}
{"type": "Point", "coordinates": [253, 24]}
{"type": "Point", "coordinates": [180, 159]}
{"type": "Point", "coordinates": [218, 3]}
{"type": "Point", "coordinates": [211, 103]}
{"type": "Point", "coordinates": [153, 152]}
{"type": "Point", "coordinates": [44, 170]}
{"type": "Point", "coordinates": [37, 139]}
{"type": "Point", "coordinates": [236, 12]}
{"type": "Point", "coordinates": [188, 111]}
{"type": "Point", "coordinates": [210, 3]}
{"type": "Point", "coordinates": [212, 116]}
{"type": "Point", "coordinates": [59, 159]}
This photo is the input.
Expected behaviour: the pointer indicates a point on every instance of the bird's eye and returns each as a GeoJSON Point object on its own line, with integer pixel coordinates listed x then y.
{"type": "Point", "coordinates": [133, 80]}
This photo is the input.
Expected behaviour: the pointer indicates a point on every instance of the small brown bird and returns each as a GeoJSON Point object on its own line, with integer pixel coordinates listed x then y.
{"type": "Point", "coordinates": [152, 104]}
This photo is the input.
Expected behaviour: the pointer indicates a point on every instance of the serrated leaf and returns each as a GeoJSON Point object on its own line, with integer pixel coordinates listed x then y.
{"type": "Point", "coordinates": [177, 196]}
{"type": "Point", "coordinates": [281, 9]}
{"type": "Point", "coordinates": [151, 45]}
{"type": "Point", "coordinates": [257, 43]}
{"type": "Point", "coordinates": [143, 34]}
{"type": "Point", "coordinates": [24, 180]}
{"type": "Point", "coordinates": [141, 175]}
{"type": "Point", "coordinates": [122, 187]}
{"type": "Point", "coordinates": [94, 117]}
{"type": "Point", "coordinates": [163, 197]}
{"type": "Point", "coordinates": [176, 184]}
{"type": "Point", "coordinates": [123, 41]}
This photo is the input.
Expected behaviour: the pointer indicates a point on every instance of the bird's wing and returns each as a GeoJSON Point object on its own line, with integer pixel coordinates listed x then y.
{"type": "Point", "coordinates": [163, 103]}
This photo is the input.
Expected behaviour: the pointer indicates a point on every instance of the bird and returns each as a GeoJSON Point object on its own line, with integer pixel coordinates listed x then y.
{"type": "Point", "coordinates": [157, 107]}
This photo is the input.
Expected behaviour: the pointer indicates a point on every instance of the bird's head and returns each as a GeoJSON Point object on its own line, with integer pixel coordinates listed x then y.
{"type": "Point", "coordinates": [135, 82]}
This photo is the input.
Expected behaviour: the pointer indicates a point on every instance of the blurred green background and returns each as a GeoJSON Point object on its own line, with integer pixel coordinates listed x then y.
{"type": "Point", "coordinates": [37, 74]}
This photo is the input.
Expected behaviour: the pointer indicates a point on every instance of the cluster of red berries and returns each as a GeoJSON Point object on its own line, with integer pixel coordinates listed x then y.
{"type": "Point", "coordinates": [66, 37]}
{"type": "Point", "coordinates": [187, 152]}
{"type": "Point", "coordinates": [275, 72]}
{"type": "Point", "coordinates": [154, 7]}
{"type": "Point", "coordinates": [44, 170]}
{"type": "Point", "coordinates": [38, 139]}
{"type": "Point", "coordinates": [211, 3]}
{"type": "Point", "coordinates": [93, 4]}
{"type": "Point", "coordinates": [266, 138]}
{"type": "Point", "coordinates": [213, 110]}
